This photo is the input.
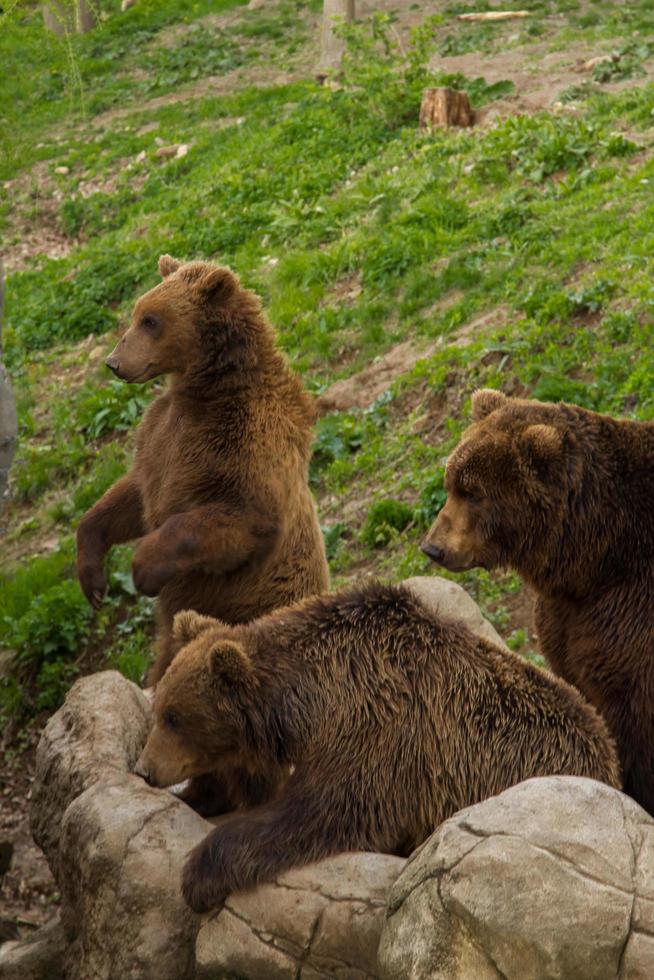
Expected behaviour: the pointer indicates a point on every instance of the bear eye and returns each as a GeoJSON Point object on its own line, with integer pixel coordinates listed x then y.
{"type": "Point", "coordinates": [150, 322]}
{"type": "Point", "coordinates": [171, 719]}
{"type": "Point", "coordinates": [469, 494]}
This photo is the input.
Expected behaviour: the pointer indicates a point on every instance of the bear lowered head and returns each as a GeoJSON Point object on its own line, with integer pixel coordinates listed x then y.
{"type": "Point", "coordinates": [508, 484]}
{"type": "Point", "coordinates": [172, 324]}
{"type": "Point", "coordinates": [198, 717]}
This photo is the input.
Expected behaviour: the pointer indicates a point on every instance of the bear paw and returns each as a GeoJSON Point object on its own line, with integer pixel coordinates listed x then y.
{"type": "Point", "coordinates": [149, 579]}
{"type": "Point", "coordinates": [93, 583]}
{"type": "Point", "coordinates": [201, 886]}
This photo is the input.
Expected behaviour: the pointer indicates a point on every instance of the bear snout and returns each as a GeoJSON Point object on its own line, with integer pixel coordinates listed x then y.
{"type": "Point", "coordinates": [144, 772]}
{"type": "Point", "coordinates": [112, 363]}
{"type": "Point", "coordinates": [436, 554]}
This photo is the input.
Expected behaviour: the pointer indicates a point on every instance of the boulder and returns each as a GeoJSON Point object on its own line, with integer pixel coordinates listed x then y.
{"type": "Point", "coordinates": [97, 734]}
{"type": "Point", "coordinates": [552, 879]}
{"type": "Point", "coordinates": [117, 847]}
{"type": "Point", "coordinates": [38, 957]}
{"type": "Point", "coordinates": [320, 921]}
{"type": "Point", "coordinates": [451, 601]}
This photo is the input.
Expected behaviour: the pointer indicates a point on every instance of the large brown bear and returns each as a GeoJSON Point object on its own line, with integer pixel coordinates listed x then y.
{"type": "Point", "coordinates": [391, 717]}
{"type": "Point", "coordinates": [218, 492]}
{"type": "Point", "coordinates": [566, 498]}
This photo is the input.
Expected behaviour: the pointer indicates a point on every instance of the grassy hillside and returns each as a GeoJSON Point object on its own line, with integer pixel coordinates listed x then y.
{"type": "Point", "coordinates": [516, 254]}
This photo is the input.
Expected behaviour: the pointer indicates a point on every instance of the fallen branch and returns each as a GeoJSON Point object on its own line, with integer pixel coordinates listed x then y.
{"type": "Point", "coordinates": [494, 15]}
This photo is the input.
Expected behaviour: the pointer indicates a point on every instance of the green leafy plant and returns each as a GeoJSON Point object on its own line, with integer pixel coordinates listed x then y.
{"type": "Point", "coordinates": [114, 407]}
{"type": "Point", "coordinates": [627, 62]}
{"type": "Point", "coordinates": [333, 535]}
{"type": "Point", "coordinates": [432, 499]}
{"type": "Point", "coordinates": [338, 437]}
{"type": "Point", "coordinates": [385, 520]}
{"type": "Point", "coordinates": [380, 71]}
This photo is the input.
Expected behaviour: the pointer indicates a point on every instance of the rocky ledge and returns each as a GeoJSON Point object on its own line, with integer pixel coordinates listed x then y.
{"type": "Point", "coordinates": [552, 879]}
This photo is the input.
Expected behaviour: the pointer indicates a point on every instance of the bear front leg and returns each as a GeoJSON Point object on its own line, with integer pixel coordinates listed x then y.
{"type": "Point", "coordinates": [117, 517]}
{"type": "Point", "coordinates": [208, 795]}
{"type": "Point", "coordinates": [221, 792]}
{"type": "Point", "coordinates": [249, 848]}
{"type": "Point", "coordinates": [212, 538]}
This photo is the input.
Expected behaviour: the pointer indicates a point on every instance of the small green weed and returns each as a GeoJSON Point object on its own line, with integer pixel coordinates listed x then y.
{"type": "Point", "coordinates": [112, 407]}
{"type": "Point", "coordinates": [333, 535]}
{"type": "Point", "coordinates": [386, 518]}
{"type": "Point", "coordinates": [432, 499]}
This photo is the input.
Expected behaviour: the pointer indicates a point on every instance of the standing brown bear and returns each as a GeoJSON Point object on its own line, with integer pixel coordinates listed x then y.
{"type": "Point", "coordinates": [566, 498]}
{"type": "Point", "coordinates": [391, 717]}
{"type": "Point", "coordinates": [218, 492]}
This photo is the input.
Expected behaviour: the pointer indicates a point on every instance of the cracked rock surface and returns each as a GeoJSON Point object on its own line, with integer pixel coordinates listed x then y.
{"type": "Point", "coordinates": [315, 922]}
{"type": "Point", "coordinates": [117, 848]}
{"type": "Point", "coordinates": [551, 880]}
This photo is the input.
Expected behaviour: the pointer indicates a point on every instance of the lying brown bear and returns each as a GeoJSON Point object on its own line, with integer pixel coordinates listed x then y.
{"type": "Point", "coordinates": [391, 717]}
{"type": "Point", "coordinates": [218, 491]}
{"type": "Point", "coordinates": [566, 498]}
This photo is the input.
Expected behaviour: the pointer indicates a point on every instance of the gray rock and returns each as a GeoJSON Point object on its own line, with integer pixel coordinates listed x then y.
{"type": "Point", "coordinates": [449, 600]}
{"type": "Point", "coordinates": [552, 879]}
{"type": "Point", "coordinates": [320, 921]}
{"type": "Point", "coordinates": [39, 957]}
{"type": "Point", "coordinates": [99, 732]}
{"type": "Point", "coordinates": [117, 848]}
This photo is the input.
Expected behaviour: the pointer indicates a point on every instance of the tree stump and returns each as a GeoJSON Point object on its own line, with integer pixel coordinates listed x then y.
{"type": "Point", "coordinates": [445, 107]}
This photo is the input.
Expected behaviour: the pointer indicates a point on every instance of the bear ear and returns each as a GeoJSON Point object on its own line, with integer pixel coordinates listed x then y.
{"type": "Point", "coordinates": [485, 401]}
{"type": "Point", "coordinates": [229, 663]}
{"type": "Point", "coordinates": [543, 443]}
{"type": "Point", "coordinates": [217, 284]}
{"type": "Point", "coordinates": [188, 624]}
{"type": "Point", "coordinates": [168, 265]}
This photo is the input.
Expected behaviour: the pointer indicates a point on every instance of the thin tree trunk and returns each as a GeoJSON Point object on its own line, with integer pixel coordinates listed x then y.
{"type": "Point", "coordinates": [68, 16]}
{"type": "Point", "coordinates": [8, 423]}
{"type": "Point", "coordinates": [332, 47]}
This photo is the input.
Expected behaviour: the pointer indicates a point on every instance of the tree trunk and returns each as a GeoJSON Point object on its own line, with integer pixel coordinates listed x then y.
{"type": "Point", "coordinates": [66, 16]}
{"type": "Point", "coordinates": [445, 107]}
{"type": "Point", "coordinates": [332, 47]}
{"type": "Point", "coordinates": [8, 424]}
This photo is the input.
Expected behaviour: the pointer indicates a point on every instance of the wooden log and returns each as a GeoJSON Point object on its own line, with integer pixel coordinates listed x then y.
{"type": "Point", "coordinates": [445, 107]}
{"type": "Point", "coordinates": [494, 15]}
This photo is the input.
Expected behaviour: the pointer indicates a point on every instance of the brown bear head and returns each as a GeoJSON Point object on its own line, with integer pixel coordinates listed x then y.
{"type": "Point", "coordinates": [508, 484]}
{"type": "Point", "coordinates": [199, 718]}
{"type": "Point", "coordinates": [192, 317]}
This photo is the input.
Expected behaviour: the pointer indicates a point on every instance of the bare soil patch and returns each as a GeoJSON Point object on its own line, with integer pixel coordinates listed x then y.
{"type": "Point", "coordinates": [28, 892]}
{"type": "Point", "coordinates": [34, 226]}
{"type": "Point", "coordinates": [362, 389]}
{"type": "Point", "coordinates": [540, 76]}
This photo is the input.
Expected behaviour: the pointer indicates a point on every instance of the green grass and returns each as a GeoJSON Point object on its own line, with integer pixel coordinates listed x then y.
{"type": "Point", "coordinates": [544, 219]}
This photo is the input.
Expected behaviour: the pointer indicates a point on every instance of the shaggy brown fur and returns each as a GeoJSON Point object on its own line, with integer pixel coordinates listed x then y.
{"type": "Point", "coordinates": [218, 491]}
{"type": "Point", "coordinates": [564, 496]}
{"type": "Point", "coordinates": [392, 718]}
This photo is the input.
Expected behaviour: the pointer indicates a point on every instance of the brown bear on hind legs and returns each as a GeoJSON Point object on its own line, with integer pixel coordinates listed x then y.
{"type": "Point", "coordinates": [218, 491]}
{"type": "Point", "coordinates": [565, 497]}
{"type": "Point", "coordinates": [392, 717]}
